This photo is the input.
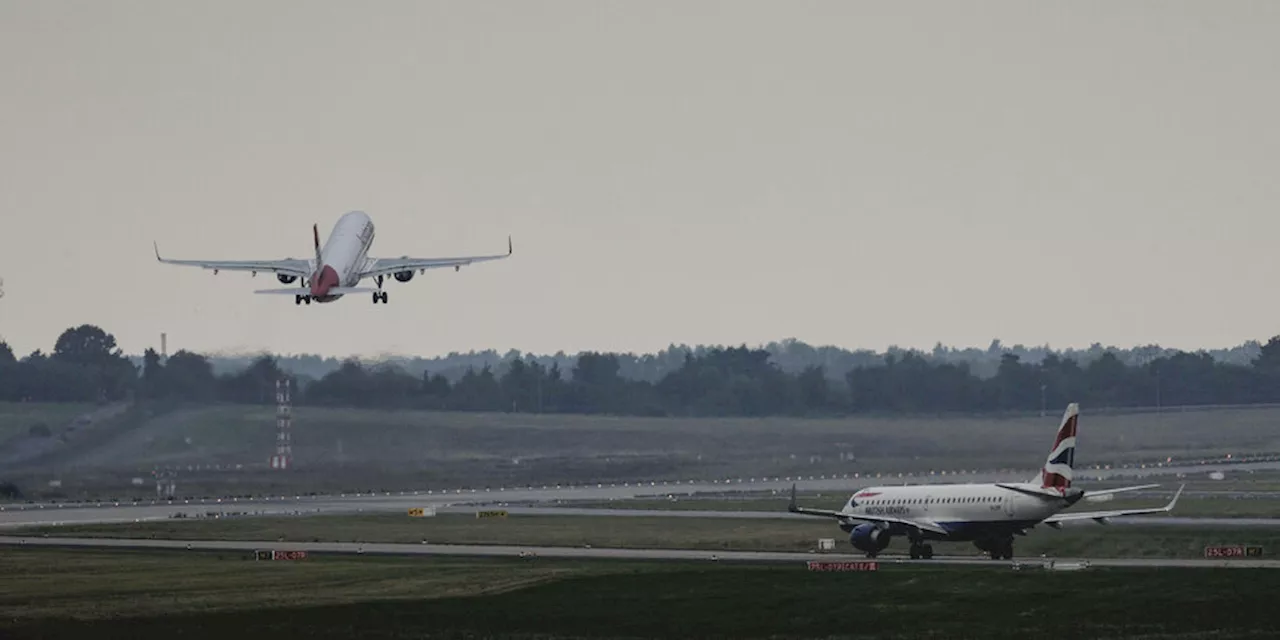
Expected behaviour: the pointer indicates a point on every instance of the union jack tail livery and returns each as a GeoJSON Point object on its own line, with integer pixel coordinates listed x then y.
{"type": "Point", "coordinates": [1056, 473]}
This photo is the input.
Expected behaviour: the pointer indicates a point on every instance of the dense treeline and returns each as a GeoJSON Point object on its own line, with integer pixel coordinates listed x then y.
{"type": "Point", "coordinates": [792, 356]}
{"type": "Point", "coordinates": [86, 365]}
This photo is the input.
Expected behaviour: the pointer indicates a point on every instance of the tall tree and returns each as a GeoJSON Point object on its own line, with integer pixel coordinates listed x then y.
{"type": "Point", "coordinates": [152, 374]}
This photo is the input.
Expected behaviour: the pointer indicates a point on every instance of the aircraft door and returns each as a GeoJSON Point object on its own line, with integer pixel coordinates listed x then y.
{"type": "Point", "coordinates": [1008, 505]}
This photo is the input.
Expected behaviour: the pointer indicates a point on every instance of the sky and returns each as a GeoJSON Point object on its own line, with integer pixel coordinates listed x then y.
{"type": "Point", "coordinates": [861, 174]}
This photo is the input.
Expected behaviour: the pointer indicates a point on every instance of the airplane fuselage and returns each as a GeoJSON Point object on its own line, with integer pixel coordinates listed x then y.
{"type": "Point", "coordinates": [967, 512]}
{"type": "Point", "coordinates": [343, 256]}
{"type": "Point", "coordinates": [988, 515]}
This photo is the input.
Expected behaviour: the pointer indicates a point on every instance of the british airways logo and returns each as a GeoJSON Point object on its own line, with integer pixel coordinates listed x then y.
{"type": "Point", "coordinates": [888, 511]}
{"type": "Point", "coordinates": [867, 494]}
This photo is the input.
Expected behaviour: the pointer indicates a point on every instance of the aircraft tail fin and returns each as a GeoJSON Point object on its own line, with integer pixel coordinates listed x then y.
{"type": "Point", "coordinates": [1057, 470]}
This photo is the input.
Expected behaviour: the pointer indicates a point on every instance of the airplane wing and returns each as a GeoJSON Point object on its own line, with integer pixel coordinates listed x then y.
{"type": "Point", "coordinates": [922, 525]}
{"type": "Point", "coordinates": [1102, 516]}
{"type": "Point", "coordinates": [387, 266]}
{"type": "Point", "coordinates": [290, 266]}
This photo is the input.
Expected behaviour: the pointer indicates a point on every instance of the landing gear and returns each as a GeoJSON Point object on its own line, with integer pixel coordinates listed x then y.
{"type": "Point", "coordinates": [379, 296]}
{"type": "Point", "coordinates": [920, 550]}
{"type": "Point", "coordinates": [1002, 549]}
{"type": "Point", "coordinates": [302, 299]}
{"type": "Point", "coordinates": [1006, 549]}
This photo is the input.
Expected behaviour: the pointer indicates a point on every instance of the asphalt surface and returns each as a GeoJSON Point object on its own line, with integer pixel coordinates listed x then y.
{"type": "Point", "coordinates": [616, 554]}
{"type": "Point", "coordinates": [514, 500]}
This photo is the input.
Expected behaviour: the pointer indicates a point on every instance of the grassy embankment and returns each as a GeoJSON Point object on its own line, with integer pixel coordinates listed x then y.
{"type": "Point", "coordinates": [350, 450]}
{"type": "Point", "coordinates": [17, 418]}
{"type": "Point", "coordinates": [142, 595]}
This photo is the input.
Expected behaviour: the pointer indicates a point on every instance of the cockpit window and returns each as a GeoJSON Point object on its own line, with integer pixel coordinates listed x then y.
{"type": "Point", "coordinates": [853, 502]}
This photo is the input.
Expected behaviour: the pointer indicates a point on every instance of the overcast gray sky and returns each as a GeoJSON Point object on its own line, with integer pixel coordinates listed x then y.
{"type": "Point", "coordinates": [851, 173]}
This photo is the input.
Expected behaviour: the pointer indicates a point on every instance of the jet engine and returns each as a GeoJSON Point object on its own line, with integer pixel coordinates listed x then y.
{"type": "Point", "coordinates": [286, 278]}
{"type": "Point", "coordinates": [404, 276]}
{"type": "Point", "coordinates": [869, 538]}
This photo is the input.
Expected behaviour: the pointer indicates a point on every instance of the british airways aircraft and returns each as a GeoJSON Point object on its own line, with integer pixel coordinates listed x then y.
{"type": "Point", "coordinates": [988, 515]}
{"type": "Point", "coordinates": [339, 267]}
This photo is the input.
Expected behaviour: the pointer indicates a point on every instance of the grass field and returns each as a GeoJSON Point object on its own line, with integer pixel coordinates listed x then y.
{"type": "Point", "coordinates": [1077, 540]}
{"type": "Point", "coordinates": [16, 418]}
{"type": "Point", "coordinates": [339, 450]}
{"type": "Point", "coordinates": [89, 593]}
{"type": "Point", "coordinates": [235, 434]}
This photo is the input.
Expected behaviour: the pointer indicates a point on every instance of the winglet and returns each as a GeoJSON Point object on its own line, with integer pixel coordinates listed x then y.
{"type": "Point", "coordinates": [792, 505]}
{"type": "Point", "coordinates": [509, 249]}
{"type": "Point", "coordinates": [157, 248]}
{"type": "Point", "coordinates": [1174, 501]}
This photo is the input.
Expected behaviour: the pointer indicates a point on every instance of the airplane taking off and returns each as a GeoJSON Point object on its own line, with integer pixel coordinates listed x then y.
{"type": "Point", "coordinates": [338, 268]}
{"type": "Point", "coordinates": [988, 515]}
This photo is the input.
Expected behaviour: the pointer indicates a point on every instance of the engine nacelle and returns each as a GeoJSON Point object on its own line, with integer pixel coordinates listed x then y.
{"type": "Point", "coordinates": [285, 278]}
{"type": "Point", "coordinates": [869, 538]}
{"type": "Point", "coordinates": [404, 276]}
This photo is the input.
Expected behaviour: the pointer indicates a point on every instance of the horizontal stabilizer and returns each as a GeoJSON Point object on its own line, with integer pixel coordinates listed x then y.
{"type": "Point", "coordinates": [1102, 517]}
{"type": "Point", "coordinates": [1033, 491]}
{"type": "Point", "coordinates": [300, 291]}
{"type": "Point", "coordinates": [1107, 492]}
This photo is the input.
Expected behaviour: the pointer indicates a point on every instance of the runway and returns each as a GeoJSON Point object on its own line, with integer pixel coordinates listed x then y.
{"type": "Point", "coordinates": [349, 548]}
{"type": "Point", "coordinates": [515, 500]}
{"type": "Point", "coordinates": [144, 513]}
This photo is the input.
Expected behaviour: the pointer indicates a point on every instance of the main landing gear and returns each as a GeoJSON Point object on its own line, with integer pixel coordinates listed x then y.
{"type": "Point", "coordinates": [301, 299]}
{"type": "Point", "coordinates": [379, 296]}
{"type": "Point", "coordinates": [1002, 550]}
{"type": "Point", "coordinates": [920, 550]}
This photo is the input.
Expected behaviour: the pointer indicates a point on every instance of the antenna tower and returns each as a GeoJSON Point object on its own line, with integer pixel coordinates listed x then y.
{"type": "Point", "coordinates": [284, 423]}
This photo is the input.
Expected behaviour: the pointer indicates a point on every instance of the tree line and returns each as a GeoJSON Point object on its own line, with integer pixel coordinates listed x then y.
{"type": "Point", "coordinates": [791, 355]}
{"type": "Point", "coordinates": [87, 366]}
